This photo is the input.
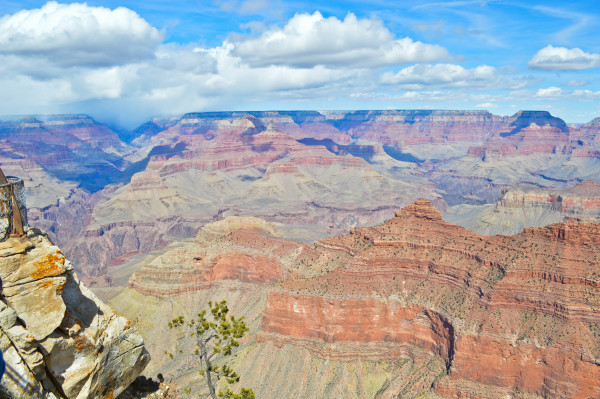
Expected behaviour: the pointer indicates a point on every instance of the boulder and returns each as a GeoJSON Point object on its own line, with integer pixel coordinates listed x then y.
{"type": "Point", "coordinates": [59, 339]}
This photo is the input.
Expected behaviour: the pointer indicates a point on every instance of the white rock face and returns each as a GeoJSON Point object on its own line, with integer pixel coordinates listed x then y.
{"type": "Point", "coordinates": [58, 338]}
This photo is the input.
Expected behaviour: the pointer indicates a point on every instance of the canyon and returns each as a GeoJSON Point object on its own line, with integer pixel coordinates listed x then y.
{"type": "Point", "coordinates": [417, 303]}
{"type": "Point", "coordinates": [294, 217]}
{"type": "Point", "coordinates": [318, 173]}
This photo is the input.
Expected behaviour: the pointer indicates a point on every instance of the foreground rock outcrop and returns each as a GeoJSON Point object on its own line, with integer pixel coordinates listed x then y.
{"type": "Point", "coordinates": [59, 340]}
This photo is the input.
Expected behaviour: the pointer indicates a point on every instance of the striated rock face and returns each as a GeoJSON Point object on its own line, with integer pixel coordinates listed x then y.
{"type": "Point", "coordinates": [71, 148]}
{"type": "Point", "coordinates": [204, 168]}
{"type": "Point", "coordinates": [522, 207]}
{"type": "Point", "coordinates": [59, 339]}
{"type": "Point", "coordinates": [320, 173]}
{"type": "Point", "coordinates": [241, 249]}
{"type": "Point", "coordinates": [492, 316]}
{"type": "Point", "coordinates": [523, 306]}
{"type": "Point", "coordinates": [351, 328]}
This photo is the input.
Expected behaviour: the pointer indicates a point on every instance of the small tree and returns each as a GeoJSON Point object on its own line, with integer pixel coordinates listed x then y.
{"type": "Point", "coordinates": [215, 339]}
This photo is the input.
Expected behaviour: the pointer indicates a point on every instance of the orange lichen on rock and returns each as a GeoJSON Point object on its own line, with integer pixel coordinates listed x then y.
{"type": "Point", "coordinates": [50, 265]}
{"type": "Point", "coordinates": [61, 287]}
{"type": "Point", "coordinates": [45, 284]}
{"type": "Point", "coordinates": [83, 342]}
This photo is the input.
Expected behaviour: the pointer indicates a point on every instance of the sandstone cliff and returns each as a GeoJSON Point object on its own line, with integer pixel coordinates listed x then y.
{"type": "Point", "coordinates": [59, 340]}
{"type": "Point", "coordinates": [419, 305]}
{"type": "Point", "coordinates": [523, 306]}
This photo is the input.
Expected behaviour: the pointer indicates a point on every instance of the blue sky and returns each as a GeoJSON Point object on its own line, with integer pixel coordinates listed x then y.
{"type": "Point", "coordinates": [126, 61]}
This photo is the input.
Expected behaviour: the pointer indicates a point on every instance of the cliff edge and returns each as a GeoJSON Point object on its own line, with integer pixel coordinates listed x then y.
{"type": "Point", "coordinates": [59, 340]}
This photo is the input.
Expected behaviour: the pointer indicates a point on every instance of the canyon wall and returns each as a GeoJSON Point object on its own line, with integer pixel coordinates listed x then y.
{"type": "Point", "coordinates": [501, 315]}
{"type": "Point", "coordinates": [319, 173]}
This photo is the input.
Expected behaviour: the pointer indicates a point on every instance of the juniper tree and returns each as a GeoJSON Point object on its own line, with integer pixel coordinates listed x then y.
{"type": "Point", "coordinates": [216, 336]}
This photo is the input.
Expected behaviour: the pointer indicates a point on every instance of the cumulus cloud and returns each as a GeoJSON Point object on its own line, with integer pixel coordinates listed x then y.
{"type": "Point", "coordinates": [310, 39]}
{"type": "Point", "coordinates": [416, 77]}
{"type": "Point", "coordinates": [556, 93]}
{"type": "Point", "coordinates": [78, 35]}
{"type": "Point", "coordinates": [586, 95]}
{"type": "Point", "coordinates": [79, 58]}
{"type": "Point", "coordinates": [552, 58]}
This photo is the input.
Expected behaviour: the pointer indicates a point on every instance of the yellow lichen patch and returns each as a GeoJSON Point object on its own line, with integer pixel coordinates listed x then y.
{"type": "Point", "coordinates": [45, 284]}
{"type": "Point", "coordinates": [49, 266]}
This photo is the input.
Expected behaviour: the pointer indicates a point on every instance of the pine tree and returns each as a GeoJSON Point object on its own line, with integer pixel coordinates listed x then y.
{"type": "Point", "coordinates": [216, 336]}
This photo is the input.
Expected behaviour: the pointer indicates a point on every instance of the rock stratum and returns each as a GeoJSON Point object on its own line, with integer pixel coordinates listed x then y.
{"type": "Point", "coordinates": [318, 174]}
{"type": "Point", "coordinates": [58, 339]}
{"type": "Point", "coordinates": [526, 206]}
{"type": "Point", "coordinates": [413, 307]}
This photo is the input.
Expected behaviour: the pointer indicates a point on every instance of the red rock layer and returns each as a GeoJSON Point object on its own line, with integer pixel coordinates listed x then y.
{"type": "Point", "coordinates": [402, 128]}
{"type": "Point", "coordinates": [556, 371]}
{"type": "Point", "coordinates": [237, 254]}
{"type": "Point", "coordinates": [518, 312]}
{"type": "Point", "coordinates": [358, 321]}
{"type": "Point", "coordinates": [231, 147]}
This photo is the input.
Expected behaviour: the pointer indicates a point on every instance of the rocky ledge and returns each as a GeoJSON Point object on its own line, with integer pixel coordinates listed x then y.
{"type": "Point", "coordinates": [59, 340]}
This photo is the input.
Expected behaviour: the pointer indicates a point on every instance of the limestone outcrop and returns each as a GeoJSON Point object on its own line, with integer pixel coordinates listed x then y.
{"type": "Point", "coordinates": [59, 339]}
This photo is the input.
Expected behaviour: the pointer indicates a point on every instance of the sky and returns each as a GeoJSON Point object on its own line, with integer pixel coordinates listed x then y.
{"type": "Point", "coordinates": [126, 61]}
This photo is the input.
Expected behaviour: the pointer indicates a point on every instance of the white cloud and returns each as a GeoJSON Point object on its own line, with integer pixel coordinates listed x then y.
{"type": "Point", "coordinates": [552, 58]}
{"type": "Point", "coordinates": [417, 77]}
{"type": "Point", "coordinates": [555, 93]}
{"type": "Point", "coordinates": [487, 105]}
{"type": "Point", "coordinates": [78, 35]}
{"type": "Point", "coordinates": [576, 83]}
{"type": "Point", "coordinates": [309, 40]}
{"type": "Point", "coordinates": [586, 95]}
{"type": "Point", "coordinates": [549, 92]}
{"type": "Point", "coordinates": [70, 61]}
